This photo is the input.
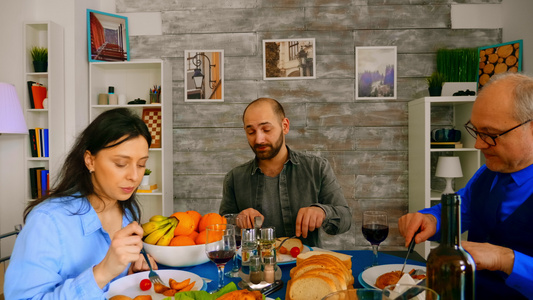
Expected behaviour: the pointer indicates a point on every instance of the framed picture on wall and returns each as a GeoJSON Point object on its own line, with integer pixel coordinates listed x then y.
{"type": "Point", "coordinates": [501, 58]}
{"type": "Point", "coordinates": [376, 70]}
{"type": "Point", "coordinates": [107, 36]}
{"type": "Point", "coordinates": [204, 75]}
{"type": "Point", "coordinates": [289, 59]}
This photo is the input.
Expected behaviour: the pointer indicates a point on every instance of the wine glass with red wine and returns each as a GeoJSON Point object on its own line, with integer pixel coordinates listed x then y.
{"type": "Point", "coordinates": [235, 220]}
{"type": "Point", "coordinates": [375, 230]}
{"type": "Point", "coordinates": [220, 247]}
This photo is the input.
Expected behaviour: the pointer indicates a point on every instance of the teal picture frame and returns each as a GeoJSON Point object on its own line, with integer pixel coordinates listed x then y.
{"type": "Point", "coordinates": [107, 37]}
{"type": "Point", "coordinates": [500, 58]}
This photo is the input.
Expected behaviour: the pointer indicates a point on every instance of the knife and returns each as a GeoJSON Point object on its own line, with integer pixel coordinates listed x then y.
{"type": "Point", "coordinates": [409, 250]}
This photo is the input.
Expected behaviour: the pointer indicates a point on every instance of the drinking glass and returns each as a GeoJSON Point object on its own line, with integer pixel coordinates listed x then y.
{"type": "Point", "coordinates": [355, 294]}
{"type": "Point", "coordinates": [375, 230]}
{"type": "Point", "coordinates": [409, 291]}
{"type": "Point", "coordinates": [220, 247]}
{"type": "Point", "coordinates": [235, 220]}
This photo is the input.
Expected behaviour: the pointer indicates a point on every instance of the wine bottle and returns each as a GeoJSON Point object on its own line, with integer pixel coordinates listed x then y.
{"type": "Point", "coordinates": [450, 269]}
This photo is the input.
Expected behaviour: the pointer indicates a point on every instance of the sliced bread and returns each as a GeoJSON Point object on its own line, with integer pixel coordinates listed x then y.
{"type": "Point", "coordinates": [345, 258]}
{"type": "Point", "coordinates": [327, 261]}
{"type": "Point", "coordinates": [310, 287]}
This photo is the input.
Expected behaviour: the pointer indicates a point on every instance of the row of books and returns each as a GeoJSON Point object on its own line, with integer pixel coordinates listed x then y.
{"type": "Point", "coordinates": [39, 144]}
{"type": "Point", "coordinates": [39, 182]}
{"type": "Point", "coordinates": [37, 93]}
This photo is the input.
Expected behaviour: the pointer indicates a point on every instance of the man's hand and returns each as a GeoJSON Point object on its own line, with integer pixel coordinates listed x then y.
{"type": "Point", "coordinates": [408, 224]}
{"type": "Point", "coordinates": [246, 217]}
{"type": "Point", "coordinates": [309, 219]}
{"type": "Point", "coordinates": [490, 257]}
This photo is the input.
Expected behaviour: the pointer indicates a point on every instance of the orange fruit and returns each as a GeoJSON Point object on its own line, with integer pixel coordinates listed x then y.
{"type": "Point", "coordinates": [193, 235]}
{"type": "Point", "coordinates": [196, 216]}
{"type": "Point", "coordinates": [182, 240]}
{"type": "Point", "coordinates": [186, 224]}
{"type": "Point", "coordinates": [202, 237]}
{"type": "Point", "coordinates": [210, 219]}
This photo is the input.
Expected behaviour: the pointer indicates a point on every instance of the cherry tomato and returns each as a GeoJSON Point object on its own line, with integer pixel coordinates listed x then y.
{"type": "Point", "coordinates": [295, 251]}
{"type": "Point", "coordinates": [145, 284]}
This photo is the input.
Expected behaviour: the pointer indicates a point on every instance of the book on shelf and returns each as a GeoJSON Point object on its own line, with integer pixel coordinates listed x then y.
{"type": "Point", "coordinates": [38, 141]}
{"type": "Point", "coordinates": [46, 146]}
{"type": "Point", "coordinates": [446, 145]}
{"type": "Point", "coordinates": [38, 95]}
{"type": "Point", "coordinates": [33, 182]}
{"type": "Point", "coordinates": [45, 175]}
{"type": "Point", "coordinates": [30, 93]}
{"type": "Point", "coordinates": [147, 188]}
{"type": "Point", "coordinates": [33, 142]}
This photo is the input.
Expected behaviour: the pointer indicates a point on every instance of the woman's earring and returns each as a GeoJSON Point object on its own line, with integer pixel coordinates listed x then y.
{"type": "Point", "coordinates": [91, 171]}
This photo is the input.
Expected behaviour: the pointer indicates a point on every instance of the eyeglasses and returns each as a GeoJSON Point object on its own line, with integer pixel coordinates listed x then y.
{"type": "Point", "coordinates": [488, 138]}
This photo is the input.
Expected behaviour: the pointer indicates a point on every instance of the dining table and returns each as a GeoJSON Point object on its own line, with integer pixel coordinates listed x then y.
{"type": "Point", "coordinates": [361, 259]}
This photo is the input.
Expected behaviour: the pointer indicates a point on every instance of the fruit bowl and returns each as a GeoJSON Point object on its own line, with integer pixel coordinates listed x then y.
{"type": "Point", "coordinates": [177, 256]}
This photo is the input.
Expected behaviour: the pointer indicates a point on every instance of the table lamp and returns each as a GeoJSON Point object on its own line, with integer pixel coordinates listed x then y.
{"type": "Point", "coordinates": [11, 116]}
{"type": "Point", "coordinates": [449, 167]}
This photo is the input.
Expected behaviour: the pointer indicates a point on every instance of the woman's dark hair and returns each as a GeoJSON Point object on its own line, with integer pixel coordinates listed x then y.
{"type": "Point", "coordinates": [106, 131]}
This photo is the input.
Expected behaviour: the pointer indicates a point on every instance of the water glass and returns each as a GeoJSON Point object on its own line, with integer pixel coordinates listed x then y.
{"type": "Point", "coordinates": [393, 291]}
{"type": "Point", "coordinates": [355, 294]}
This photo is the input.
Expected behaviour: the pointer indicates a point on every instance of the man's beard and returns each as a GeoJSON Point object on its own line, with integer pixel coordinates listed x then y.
{"type": "Point", "coordinates": [268, 154]}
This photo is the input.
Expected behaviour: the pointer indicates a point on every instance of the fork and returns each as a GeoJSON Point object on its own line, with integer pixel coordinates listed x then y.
{"type": "Point", "coordinates": [154, 278]}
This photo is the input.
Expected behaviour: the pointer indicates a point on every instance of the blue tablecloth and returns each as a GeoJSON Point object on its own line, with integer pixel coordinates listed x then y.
{"type": "Point", "coordinates": [360, 260]}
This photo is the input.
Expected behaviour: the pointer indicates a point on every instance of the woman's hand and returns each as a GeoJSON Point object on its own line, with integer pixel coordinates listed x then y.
{"type": "Point", "coordinates": [125, 248]}
{"type": "Point", "coordinates": [141, 265]}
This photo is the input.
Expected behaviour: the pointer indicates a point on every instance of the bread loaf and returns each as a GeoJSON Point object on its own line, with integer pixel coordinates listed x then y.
{"type": "Point", "coordinates": [345, 258]}
{"type": "Point", "coordinates": [315, 276]}
{"type": "Point", "coordinates": [310, 287]}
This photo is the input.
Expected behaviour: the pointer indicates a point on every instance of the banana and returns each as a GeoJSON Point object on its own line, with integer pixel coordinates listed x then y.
{"type": "Point", "coordinates": [153, 237]}
{"type": "Point", "coordinates": [158, 218]}
{"type": "Point", "coordinates": [153, 226]}
{"type": "Point", "coordinates": [165, 239]}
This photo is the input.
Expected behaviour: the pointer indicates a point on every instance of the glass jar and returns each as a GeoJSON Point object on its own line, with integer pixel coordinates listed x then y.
{"type": "Point", "coordinates": [248, 245]}
{"type": "Point", "coordinates": [269, 268]}
{"type": "Point", "coordinates": [256, 275]}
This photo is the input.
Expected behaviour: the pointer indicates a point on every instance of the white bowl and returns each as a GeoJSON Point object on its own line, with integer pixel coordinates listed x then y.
{"type": "Point", "coordinates": [177, 256]}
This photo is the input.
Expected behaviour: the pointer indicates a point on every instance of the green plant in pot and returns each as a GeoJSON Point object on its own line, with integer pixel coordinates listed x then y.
{"type": "Point", "coordinates": [40, 58]}
{"type": "Point", "coordinates": [435, 82]}
{"type": "Point", "coordinates": [146, 177]}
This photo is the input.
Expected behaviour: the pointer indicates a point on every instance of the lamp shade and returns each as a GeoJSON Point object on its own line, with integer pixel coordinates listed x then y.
{"type": "Point", "coordinates": [449, 167]}
{"type": "Point", "coordinates": [11, 116]}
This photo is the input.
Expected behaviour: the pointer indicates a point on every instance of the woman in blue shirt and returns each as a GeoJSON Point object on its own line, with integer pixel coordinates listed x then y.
{"type": "Point", "coordinates": [85, 233]}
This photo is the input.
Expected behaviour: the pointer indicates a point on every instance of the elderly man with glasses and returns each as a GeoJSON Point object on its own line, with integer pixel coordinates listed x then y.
{"type": "Point", "coordinates": [499, 223]}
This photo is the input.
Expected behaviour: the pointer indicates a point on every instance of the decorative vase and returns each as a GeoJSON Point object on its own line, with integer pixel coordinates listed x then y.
{"type": "Point", "coordinates": [40, 66]}
{"type": "Point", "coordinates": [146, 180]}
{"type": "Point", "coordinates": [435, 91]}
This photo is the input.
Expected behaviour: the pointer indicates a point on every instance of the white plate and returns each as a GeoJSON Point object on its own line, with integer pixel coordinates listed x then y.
{"type": "Point", "coordinates": [129, 285]}
{"type": "Point", "coordinates": [283, 259]}
{"type": "Point", "coordinates": [369, 276]}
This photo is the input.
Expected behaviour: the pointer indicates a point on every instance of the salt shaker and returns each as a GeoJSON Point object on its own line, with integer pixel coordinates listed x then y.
{"type": "Point", "coordinates": [256, 275]}
{"type": "Point", "coordinates": [269, 264]}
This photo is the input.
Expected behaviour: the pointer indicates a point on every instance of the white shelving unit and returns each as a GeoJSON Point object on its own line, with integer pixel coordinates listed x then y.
{"type": "Point", "coordinates": [133, 79]}
{"type": "Point", "coordinates": [423, 158]}
{"type": "Point", "coordinates": [49, 35]}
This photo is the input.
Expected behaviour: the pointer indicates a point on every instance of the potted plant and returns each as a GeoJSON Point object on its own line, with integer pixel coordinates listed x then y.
{"type": "Point", "coordinates": [40, 58]}
{"type": "Point", "coordinates": [146, 177]}
{"type": "Point", "coordinates": [435, 82]}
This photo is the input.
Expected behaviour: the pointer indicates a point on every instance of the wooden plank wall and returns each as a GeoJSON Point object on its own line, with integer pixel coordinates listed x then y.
{"type": "Point", "coordinates": [365, 141]}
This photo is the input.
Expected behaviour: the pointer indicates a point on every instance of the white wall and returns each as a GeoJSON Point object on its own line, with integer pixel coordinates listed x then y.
{"type": "Point", "coordinates": [518, 24]}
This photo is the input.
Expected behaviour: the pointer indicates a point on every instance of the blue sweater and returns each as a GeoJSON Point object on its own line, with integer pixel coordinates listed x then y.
{"type": "Point", "coordinates": [506, 223]}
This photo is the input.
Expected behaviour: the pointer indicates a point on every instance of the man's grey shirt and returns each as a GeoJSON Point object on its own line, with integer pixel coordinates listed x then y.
{"type": "Point", "coordinates": [306, 180]}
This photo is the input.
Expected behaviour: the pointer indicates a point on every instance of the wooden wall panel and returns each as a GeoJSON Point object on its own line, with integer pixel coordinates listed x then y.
{"type": "Point", "coordinates": [364, 140]}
